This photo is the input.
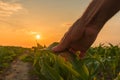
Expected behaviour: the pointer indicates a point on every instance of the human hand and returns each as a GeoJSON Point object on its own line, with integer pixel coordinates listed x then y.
{"type": "Point", "coordinates": [78, 39]}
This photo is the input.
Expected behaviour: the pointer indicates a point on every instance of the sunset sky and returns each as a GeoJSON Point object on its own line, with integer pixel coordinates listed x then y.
{"type": "Point", "coordinates": [22, 20]}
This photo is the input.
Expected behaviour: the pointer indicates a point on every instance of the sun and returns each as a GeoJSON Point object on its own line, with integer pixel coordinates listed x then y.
{"type": "Point", "coordinates": [38, 36]}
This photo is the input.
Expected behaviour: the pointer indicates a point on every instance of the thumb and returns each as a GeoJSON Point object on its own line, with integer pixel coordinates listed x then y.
{"type": "Point", "coordinates": [60, 47]}
{"type": "Point", "coordinates": [64, 44]}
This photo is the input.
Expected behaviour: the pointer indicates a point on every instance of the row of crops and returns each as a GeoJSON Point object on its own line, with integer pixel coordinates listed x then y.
{"type": "Point", "coordinates": [7, 55]}
{"type": "Point", "coordinates": [100, 63]}
{"type": "Point", "coordinates": [109, 56]}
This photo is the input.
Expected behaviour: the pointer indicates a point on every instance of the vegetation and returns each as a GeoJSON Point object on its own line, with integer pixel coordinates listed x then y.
{"type": "Point", "coordinates": [100, 63]}
{"type": "Point", "coordinates": [8, 54]}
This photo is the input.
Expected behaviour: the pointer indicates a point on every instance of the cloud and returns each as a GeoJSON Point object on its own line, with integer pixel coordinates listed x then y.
{"type": "Point", "coordinates": [9, 8]}
{"type": "Point", "coordinates": [33, 32]}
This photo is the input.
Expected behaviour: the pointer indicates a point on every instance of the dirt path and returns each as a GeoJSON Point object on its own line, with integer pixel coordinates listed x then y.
{"type": "Point", "coordinates": [18, 71]}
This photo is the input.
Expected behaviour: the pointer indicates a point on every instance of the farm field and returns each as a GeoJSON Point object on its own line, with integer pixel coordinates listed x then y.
{"type": "Point", "coordinates": [86, 32]}
{"type": "Point", "coordinates": [40, 63]}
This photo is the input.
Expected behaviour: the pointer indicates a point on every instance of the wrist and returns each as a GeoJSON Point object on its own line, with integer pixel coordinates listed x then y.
{"type": "Point", "coordinates": [98, 22]}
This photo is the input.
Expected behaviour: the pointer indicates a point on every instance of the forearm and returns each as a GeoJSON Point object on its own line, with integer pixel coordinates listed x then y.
{"type": "Point", "coordinates": [99, 12]}
{"type": "Point", "coordinates": [108, 9]}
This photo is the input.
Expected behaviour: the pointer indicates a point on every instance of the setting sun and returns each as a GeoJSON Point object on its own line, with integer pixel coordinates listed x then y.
{"type": "Point", "coordinates": [38, 36]}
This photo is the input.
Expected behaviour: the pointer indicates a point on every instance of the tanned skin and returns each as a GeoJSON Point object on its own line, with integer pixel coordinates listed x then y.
{"type": "Point", "coordinates": [84, 31]}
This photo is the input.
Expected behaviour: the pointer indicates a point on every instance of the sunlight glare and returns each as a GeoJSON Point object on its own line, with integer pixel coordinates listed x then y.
{"type": "Point", "coordinates": [38, 36]}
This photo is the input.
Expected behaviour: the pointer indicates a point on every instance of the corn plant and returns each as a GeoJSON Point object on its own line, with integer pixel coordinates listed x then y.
{"type": "Point", "coordinates": [52, 66]}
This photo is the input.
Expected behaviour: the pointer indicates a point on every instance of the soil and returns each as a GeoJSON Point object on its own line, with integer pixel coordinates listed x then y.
{"type": "Point", "coordinates": [19, 70]}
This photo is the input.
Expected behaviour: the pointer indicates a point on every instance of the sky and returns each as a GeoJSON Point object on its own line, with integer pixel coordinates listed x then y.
{"type": "Point", "coordinates": [22, 20]}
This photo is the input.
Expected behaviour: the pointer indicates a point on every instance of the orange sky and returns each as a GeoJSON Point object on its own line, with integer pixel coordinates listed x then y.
{"type": "Point", "coordinates": [21, 20]}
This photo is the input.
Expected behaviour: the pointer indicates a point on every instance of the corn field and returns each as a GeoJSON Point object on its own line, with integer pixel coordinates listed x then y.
{"type": "Point", "coordinates": [100, 63]}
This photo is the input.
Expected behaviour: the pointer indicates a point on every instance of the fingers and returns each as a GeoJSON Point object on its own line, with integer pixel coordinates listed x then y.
{"type": "Point", "coordinates": [64, 44]}
{"type": "Point", "coordinates": [71, 36]}
{"type": "Point", "coordinates": [59, 48]}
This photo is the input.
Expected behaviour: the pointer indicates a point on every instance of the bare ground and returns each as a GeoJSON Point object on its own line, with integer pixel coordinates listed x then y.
{"type": "Point", "coordinates": [18, 71]}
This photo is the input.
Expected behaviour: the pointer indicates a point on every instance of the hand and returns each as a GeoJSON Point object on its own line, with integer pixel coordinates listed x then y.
{"type": "Point", "coordinates": [78, 39]}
